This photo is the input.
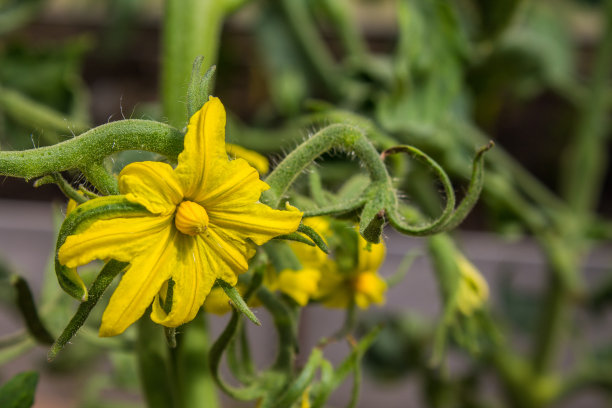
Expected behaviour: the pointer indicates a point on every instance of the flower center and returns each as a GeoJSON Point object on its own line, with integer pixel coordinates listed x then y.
{"type": "Point", "coordinates": [365, 283]}
{"type": "Point", "coordinates": [191, 218]}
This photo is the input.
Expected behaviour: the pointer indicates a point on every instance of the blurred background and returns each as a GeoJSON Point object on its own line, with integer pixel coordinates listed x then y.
{"type": "Point", "coordinates": [534, 76]}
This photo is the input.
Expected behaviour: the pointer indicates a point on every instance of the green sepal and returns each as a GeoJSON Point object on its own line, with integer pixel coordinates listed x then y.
{"type": "Point", "coordinates": [77, 221]}
{"type": "Point", "coordinates": [199, 86]}
{"type": "Point", "coordinates": [97, 289]}
{"type": "Point", "coordinates": [18, 392]}
{"type": "Point", "coordinates": [372, 219]}
{"type": "Point", "coordinates": [238, 301]}
{"type": "Point", "coordinates": [294, 236]}
{"type": "Point", "coordinates": [314, 236]}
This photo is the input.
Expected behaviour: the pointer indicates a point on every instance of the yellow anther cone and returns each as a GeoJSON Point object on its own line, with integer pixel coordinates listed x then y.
{"type": "Point", "coordinates": [191, 218]}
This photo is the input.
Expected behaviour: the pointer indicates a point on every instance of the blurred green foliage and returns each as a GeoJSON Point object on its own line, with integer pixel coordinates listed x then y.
{"type": "Point", "coordinates": [448, 70]}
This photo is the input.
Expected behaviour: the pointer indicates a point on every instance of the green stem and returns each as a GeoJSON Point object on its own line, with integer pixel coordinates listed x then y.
{"type": "Point", "coordinates": [344, 137]}
{"type": "Point", "coordinates": [584, 170]}
{"type": "Point", "coordinates": [36, 115]}
{"type": "Point", "coordinates": [300, 20]}
{"type": "Point", "coordinates": [284, 326]}
{"type": "Point", "coordinates": [101, 179]}
{"type": "Point", "coordinates": [67, 189]}
{"type": "Point", "coordinates": [91, 147]}
{"type": "Point", "coordinates": [250, 392]}
{"type": "Point", "coordinates": [552, 325]}
{"type": "Point", "coordinates": [192, 366]}
{"type": "Point", "coordinates": [153, 364]}
{"type": "Point", "coordinates": [191, 28]}
{"type": "Point", "coordinates": [301, 382]}
{"type": "Point", "coordinates": [27, 308]}
{"type": "Point", "coordinates": [348, 29]}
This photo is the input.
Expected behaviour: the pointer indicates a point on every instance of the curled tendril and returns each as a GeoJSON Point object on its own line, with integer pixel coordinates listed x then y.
{"type": "Point", "coordinates": [378, 199]}
{"type": "Point", "coordinates": [451, 216]}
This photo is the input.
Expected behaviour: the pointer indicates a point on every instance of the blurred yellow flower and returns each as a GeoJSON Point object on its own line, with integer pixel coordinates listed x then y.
{"type": "Point", "coordinates": [299, 285]}
{"type": "Point", "coordinates": [202, 215]}
{"type": "Point", "coordinates": [361, 286]}
{"type": "Point", "coordinates": [473, 290]}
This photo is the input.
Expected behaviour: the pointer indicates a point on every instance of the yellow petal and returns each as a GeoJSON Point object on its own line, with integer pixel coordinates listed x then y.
{"type": "Point", "coordinates": [305, 398]}
{"type": "Point", "coordinates": [140, 283]}
{"type": "Point", "coordinates": [204, 148]}
{"type": "Point", "coordinates": [257, 221]}
{"type": "Point", "coordinates": [151, 184]}
{"type": "Point", "coordinates": [252, 157]}
{"type": "Point", "coordinates": [119, 238]}
{"type": "Point", "coordinates": [369, 288]}
{"type": "Point", "coordinates": [372, 259]}
{"type": "Point", "coordinates": [335, 290]}
{"type": "Point", "coordinates": [299, 285]}
{"type": "Point", "coordinates": [230, 184]}
{"type": "Point", "coordinates": [473, 290]}
{"type": "Point", "coordinates": [319, 224]}
{"type": "Point", "coordinates": [193, 280]}
{"type": "Point", "coordinates": [226, 253]}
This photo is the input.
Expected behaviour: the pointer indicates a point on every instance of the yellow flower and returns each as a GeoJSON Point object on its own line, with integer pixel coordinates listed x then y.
{"type": "Point", "coordinates": [299, 285]}
{"type": "Point", "coordinates": [473, 290]}
{"type": "Point", "coordinates": [362, 286]}
{"type": "Point", "coordinates": [202, 215]}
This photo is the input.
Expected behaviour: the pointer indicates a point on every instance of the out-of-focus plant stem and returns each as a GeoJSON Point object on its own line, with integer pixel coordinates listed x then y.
{"type": "Point", "coordinates": [301, 22]}
{"type": "Point", "coordinates": [191, 28]}
{"type": "Point", "coordinates": [582, 174]}
{"type": "Point", "coordinates": [36, 115]}
{"type": "Point", "coordinates": [585, 165]}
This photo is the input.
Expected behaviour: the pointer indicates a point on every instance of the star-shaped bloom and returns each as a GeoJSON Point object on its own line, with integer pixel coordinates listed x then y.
{"type": "Point", "coordinates": [204, 219]}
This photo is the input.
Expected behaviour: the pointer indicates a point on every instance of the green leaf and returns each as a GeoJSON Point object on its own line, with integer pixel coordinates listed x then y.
{"type": "Point", "coordinates": [19, 391]}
